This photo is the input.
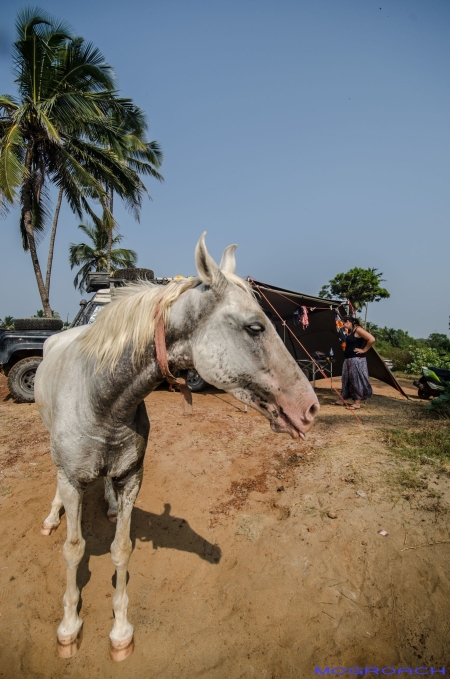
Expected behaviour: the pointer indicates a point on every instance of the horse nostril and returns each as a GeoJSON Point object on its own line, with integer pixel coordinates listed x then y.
{"type": "Point", "coordinates": [314, 410]}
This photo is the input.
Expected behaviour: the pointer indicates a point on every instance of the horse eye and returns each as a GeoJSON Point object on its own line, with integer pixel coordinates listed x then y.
{"type": "Point", "coordinates": [255, 328]}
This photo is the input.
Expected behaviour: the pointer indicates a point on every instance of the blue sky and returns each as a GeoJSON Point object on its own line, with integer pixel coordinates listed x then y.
{"type": "Point", "coordinates": [315, 134]}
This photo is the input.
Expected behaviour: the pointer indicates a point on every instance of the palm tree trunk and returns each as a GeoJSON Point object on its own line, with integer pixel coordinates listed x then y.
{"type": "Point", "coordinates": [365, 317]}
{"type": "Point", "coordinates": [52, 242]}
{"type": "Point", "coordinates": [28, 223]}
{"type": "Point", "coordinates": [108, 252]}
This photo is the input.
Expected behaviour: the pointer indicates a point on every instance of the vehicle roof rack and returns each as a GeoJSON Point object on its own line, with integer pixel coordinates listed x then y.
{"type": "Point", "coordinates": [97, 281]}
{"type": "Point", "coordinates": [102, 280]}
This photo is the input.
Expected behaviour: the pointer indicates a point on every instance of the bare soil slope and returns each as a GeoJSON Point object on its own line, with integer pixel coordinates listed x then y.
{"type": "Point", "coordinates": [238, 569]}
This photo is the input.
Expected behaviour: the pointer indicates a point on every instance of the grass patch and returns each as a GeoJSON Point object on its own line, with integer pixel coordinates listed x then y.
{"type": "Point", "coordinates": [407, 478]}
{"type": "Point", "coordinates": [429, 444]}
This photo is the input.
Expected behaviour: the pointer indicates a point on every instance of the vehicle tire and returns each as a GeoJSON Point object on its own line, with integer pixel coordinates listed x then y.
{"type": "Point", "coordinates": [307, 373]}
{"type": "Point", "coordinates": [195, 382]}
{"type": "Point", "coordinates": [38, 324]}
{"type": "Point", "coordinates": [21, 379]}
{"type": "Point", "coordinates": [134, 274]}
{"type": "Point", "coordinates": [423, 394]}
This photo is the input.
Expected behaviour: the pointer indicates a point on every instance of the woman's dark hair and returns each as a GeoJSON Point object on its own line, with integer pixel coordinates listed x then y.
{"type": "Point", "coordinates": [352, 319]}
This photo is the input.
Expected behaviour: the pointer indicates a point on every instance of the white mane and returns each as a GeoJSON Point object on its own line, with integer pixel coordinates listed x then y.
{"type": "Point", "coordinates": [129, 320]}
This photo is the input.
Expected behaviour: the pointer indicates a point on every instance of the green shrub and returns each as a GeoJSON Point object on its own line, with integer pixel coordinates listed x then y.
{"type": "Point", "coordinates": [399, 357]}
{"type": "Point", "coordinates": [422, 356]}
{"type": "Point", "coordinates": [440, 406]}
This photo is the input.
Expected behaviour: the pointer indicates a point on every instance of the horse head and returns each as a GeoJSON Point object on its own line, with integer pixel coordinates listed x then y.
{"type": "Point", "coordinates": [236, 348]}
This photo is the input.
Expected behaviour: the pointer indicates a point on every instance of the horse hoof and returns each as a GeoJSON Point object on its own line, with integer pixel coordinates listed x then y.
{"type": "Point", "coordinates": [68, 646]}
{"type": "Point", "coordinates": [120, 650]}
{"type": "Point", "coordinates": [112, 518]}
{"type": "Point", "coordinates": [48, 528]}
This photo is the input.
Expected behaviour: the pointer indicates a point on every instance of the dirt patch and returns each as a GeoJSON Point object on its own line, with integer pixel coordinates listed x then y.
{"type": "Point", "coordinates": [238, 569]}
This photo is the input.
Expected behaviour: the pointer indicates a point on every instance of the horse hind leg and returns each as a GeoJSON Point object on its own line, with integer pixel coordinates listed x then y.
{"type": "Point", "coordinates": [69, 630]}
{"type": "Point", "coordinates": [111, 499]}
{"type": "Point", "coordinates": [53, 520]}
{"type": "Point", "coordinates": [121, 636]}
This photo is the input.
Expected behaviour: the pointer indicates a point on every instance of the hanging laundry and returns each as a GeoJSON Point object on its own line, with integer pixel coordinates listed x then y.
{"type": "Point", "coordinates": [301, 317]}
{"type": "Point", "coordinates": [340, 330]}
{"type": "Point", "coordinates": [305, 320]}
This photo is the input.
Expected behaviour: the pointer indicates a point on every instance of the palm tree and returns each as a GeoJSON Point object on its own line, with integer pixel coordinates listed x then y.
{"type": "Point", "coordinates": [140, 156]}
{"type": "Point", "coordinates": [67, 128]}
{"type": "Point", "coordinates": [96, 258]}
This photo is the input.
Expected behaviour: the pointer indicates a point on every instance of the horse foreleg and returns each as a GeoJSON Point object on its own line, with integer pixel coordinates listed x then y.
{"type": "Point", "coordinates": [121, 635]}
{"type": "Point", "coordinates": [111, 499]}
{"type": "Point", "coordinates": [52, 521]}
{"type": "Point", "coordinates": [69, 630]}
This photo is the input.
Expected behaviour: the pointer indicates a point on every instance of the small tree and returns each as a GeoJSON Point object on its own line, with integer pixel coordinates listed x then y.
{"type": "Point", "coordinates": [7, 323]}
{"type": "Point", "coordinates": [359, 286]}
{"type": "Point", "coordinates": [438, 340]}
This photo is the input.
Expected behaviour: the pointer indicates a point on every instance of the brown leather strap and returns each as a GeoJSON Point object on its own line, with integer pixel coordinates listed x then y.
{"type": "Point", "coordinates": [163, 362]}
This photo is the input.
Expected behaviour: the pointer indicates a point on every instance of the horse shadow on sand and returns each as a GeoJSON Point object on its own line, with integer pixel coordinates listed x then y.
{"type": "Point", "coordinates": [164, 531]}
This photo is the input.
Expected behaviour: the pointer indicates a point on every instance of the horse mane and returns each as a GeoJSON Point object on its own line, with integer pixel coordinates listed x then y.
{"type": "Point", "coordinates": [129, 320]}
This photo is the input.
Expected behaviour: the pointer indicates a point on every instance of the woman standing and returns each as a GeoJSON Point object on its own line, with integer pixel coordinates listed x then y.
{"type": "Point", "coordinates": [355, 374]}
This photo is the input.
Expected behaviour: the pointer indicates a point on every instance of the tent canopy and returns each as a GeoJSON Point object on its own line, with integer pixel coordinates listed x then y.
{"type": "Point", "coordinates": [320, 335]}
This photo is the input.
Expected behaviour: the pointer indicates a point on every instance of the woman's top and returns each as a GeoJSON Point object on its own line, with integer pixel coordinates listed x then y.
{"type": "Point", "coordinates": [352, 343]}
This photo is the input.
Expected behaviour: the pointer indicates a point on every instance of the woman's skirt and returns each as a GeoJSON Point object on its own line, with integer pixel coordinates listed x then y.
{"type": "Point", "coordinates": [355, 379]}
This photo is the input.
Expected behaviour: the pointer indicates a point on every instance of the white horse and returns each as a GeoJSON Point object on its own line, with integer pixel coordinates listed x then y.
{"type": "Point", "coordinates": [92, 381]}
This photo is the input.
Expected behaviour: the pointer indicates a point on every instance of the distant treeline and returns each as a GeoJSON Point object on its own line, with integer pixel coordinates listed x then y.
{"type": "Point", "coordinates": [408, 353]}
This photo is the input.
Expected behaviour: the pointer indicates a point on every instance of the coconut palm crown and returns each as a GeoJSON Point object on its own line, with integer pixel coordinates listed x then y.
{"type": "Point", "coordinates": [95, 257]}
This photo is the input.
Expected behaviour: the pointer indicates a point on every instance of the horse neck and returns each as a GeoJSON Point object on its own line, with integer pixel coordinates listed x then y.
{"type": "Point", "coordinates": [124, 389]}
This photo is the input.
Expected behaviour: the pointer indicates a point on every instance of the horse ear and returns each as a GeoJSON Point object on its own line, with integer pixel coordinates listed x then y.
{"type": "Point", "coordinates": [207, 268]}
{"type": "Point", "coordinates": [228, 261]}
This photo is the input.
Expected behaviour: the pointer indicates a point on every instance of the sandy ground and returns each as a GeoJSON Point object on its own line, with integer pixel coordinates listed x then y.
{"type": "Point", "coordinates": [237, 569]}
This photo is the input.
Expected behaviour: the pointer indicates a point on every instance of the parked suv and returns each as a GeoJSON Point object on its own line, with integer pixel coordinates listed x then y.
{"type": "Point", "coordinates": [21, 353]}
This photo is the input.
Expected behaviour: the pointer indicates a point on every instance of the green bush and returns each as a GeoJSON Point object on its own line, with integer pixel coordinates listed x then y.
{"type": "Point", "coordinates": [424, 356]}
{"type": "Point", "coordinates": [399, 339]}
{"type": "Point", "coordinates": [440, 406]}
{"type": "Point", "coordinates": [399, 357]}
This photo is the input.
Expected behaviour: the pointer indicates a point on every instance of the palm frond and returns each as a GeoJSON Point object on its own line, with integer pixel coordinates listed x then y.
{"type": "Point", "coordinates": [84, 68]}
{"type": "Point", "coordinates": [12, 169]}
{"type": "Point", "coordinates": [28, 19]}
{"type": "Point", "coordinates": [8, 103]}
{"type": "Point", "coordinates": [123, 258]}
{"type": "Point", "coordinates": [144, 168]}
{"type": "Point", "coordinates": [45, 121]}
